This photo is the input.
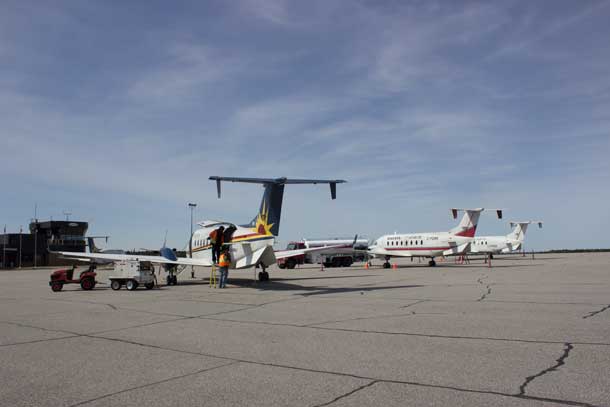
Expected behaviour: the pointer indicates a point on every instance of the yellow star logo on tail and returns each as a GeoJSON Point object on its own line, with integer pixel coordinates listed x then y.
{"type": "Point", "coordinates": [262, 227]}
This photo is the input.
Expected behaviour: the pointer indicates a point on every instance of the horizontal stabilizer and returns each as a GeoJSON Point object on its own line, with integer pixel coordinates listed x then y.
{"type": "Point", "coordinates": [279, 181]}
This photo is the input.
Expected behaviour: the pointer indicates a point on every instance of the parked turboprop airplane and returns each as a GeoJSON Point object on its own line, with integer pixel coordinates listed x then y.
{"type": "Point", "coordinates": [251, 245]}
{"type": "Point", "coordinates": [502, 244]}
{"type": "Point", "coordinates": [430, 245]}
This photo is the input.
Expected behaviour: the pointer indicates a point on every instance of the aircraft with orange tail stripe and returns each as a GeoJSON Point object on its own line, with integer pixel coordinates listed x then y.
{"type": "Point", "coordinates": [251, 244]}
{"type": "Point", "coordinates": [430, 245]}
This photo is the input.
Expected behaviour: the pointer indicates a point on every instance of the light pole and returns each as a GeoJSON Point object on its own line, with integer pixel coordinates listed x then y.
{"type": "Point", "coordinates": [20, 236]}
{"type": "Point", "coordinates": [4, 246]}
{"type": "Point", "coordinates": [35, 233]}
{"type": "Point", "coordinates": [192, 206]}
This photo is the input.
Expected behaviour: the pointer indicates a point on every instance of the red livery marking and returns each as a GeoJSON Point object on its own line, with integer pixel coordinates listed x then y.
{"type": "Point", "coordinates": [468, 232]}
{"type": "Point", "coordinates": [417, 248]}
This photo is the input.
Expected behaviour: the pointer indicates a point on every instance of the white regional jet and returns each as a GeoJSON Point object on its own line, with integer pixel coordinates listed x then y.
{"type": "Point", "coordinates": [430, 245]}
{"type": "Point", "coordinates": [251, 245]}
{"type": "Point", "coordinates": [503, 244]}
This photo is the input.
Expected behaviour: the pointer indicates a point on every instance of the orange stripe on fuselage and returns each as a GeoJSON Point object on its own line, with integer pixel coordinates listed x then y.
{"type": "Point", "coordinates": [242, 238]}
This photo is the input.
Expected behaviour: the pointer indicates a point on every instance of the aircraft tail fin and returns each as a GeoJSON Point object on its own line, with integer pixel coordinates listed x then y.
{"type": "Point", "coordinates": [91, 243]}
{"type": "Point", "coordinates": [519, 229]}
{"type": "Point", "coordinates": [267, 220]}
{"type": "Point", "coordinates": [92, 247]}
{"type": "Point", "coordinates": [468, 225]}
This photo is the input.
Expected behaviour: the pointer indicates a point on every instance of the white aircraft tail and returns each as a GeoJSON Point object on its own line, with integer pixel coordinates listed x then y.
{"type": "Point", "coordinates": [468, 225]}
{"type": "Point", "coordinates": [519, 229]}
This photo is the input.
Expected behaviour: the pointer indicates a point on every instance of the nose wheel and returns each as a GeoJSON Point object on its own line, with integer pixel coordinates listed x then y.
{"type": "Point", "coordinates": [432, 263]}
{"type": "Point", "coordinates": [263, 275]}
{"type": "Point", "coordinates": [387, 264]}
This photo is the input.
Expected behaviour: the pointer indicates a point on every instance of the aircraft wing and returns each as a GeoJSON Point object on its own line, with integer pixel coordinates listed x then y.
{"type": "Point", "coordinates": [132, 257]}
{"type": "Point", "coordinates": [283, 254]}
{"type": "Point", "coordinates": [455, 249]}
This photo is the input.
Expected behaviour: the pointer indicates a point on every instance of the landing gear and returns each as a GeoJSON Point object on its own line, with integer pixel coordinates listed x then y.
{"type": "Point", "coordinates": [263, 275]}
{"type": "Point", "coordinates": [171, 279]}
{"type": "Point", "coordinates": [432, 263]}
{"type": "Point", "coordinates": [387, 264]}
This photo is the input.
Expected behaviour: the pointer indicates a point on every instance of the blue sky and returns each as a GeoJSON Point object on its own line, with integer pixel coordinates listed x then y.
{"type": "Point", "coordinates": [119, 111]}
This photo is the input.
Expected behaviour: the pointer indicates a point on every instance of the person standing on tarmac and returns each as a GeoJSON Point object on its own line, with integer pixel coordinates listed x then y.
{"type": "Point", "coordinates": [216, 239]}
{"type": "Point", "coordinates": [224, 261]}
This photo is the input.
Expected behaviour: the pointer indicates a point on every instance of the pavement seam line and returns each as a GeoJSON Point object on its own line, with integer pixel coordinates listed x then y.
{"type": "Point", "coordinates": [349, 393]}
{"type": "Point", "coordinates": [38, 340]}
{"type": "Point", "coordinates": [169, 379]}
{"type": "Point", "coordinates": [482, 338]}
{"type": "Point", "coordinates": [591, 314]}
{"type": "Point", "coordinates": [304, 369]}
{"type": "Point", "coordinates": [313, 325]}
{"type": "Point", "coordinates": [560, 362]}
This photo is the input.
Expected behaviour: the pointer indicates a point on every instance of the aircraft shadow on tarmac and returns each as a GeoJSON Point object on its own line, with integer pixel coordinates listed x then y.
{"type": "Point", "coordinates": [284, 285]}
{"type": "Point", "coordinates": [288, 284]}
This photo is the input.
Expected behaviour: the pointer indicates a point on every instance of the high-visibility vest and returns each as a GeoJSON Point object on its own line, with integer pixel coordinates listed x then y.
{"type": "Point", "coordinates": [224, 260]}
{"type": "Point", "coordinates": [215, 236]}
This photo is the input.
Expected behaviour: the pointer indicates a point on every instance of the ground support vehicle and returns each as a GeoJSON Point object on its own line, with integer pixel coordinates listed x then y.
{"type": "Point", "coordinates": [86, 278]}
{"type": "Point", "coordinates": [132, 274]}
{"type": "Point", "coordinates": [335, 257]}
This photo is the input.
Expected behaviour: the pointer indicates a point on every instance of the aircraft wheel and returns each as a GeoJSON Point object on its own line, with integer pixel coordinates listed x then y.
{"type": "Point", "coordinates": [115, 285]}
{"type": "Point", "coordinates": [175, 280]}
{"type": "Point", "coordinates": [387, 265]}
{"type": "Point", "coordinates": [491, 256]}
{"type": "Point", "coordinates": [432, 263]}
{"type": "Point", "coordinates": [261, 276]}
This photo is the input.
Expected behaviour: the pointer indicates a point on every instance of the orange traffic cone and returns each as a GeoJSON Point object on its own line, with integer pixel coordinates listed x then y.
{"type": "Point", "coordinates": [394, 266]}
{"type": "Point", "coordinates": [366, 265]}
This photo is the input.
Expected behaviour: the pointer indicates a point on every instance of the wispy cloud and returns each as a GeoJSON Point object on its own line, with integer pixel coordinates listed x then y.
{"type": "Point", "coordinates": [420, 106]}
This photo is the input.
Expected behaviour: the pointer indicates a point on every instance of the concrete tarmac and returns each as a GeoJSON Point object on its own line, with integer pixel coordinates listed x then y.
{"type": "Point", "coordinates": [525, 332]}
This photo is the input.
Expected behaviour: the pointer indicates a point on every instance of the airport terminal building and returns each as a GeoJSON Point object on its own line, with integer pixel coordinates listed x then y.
{"type": "Point", "coordinates": [34, 248]}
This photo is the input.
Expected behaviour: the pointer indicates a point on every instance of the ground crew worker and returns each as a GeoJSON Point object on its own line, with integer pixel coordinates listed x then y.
{"type": "Point", "coordinates": [216, 239]}
{"type": "Point", "coordinates": [224, 261]}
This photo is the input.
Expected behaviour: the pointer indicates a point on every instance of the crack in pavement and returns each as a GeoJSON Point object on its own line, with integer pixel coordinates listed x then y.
{"type": "Point", "coordinates": [488, 287]}
{"type": "Point", "coordinates": [591, 314]}
{"type": "Point", "coordinates": [349, 393]}
{"type": "Point", "coordinates": [373, 379]}
{"type": "Point", "coordinates": [560, 362]}
{"type": "Point", "coordinates": [485, 294]}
